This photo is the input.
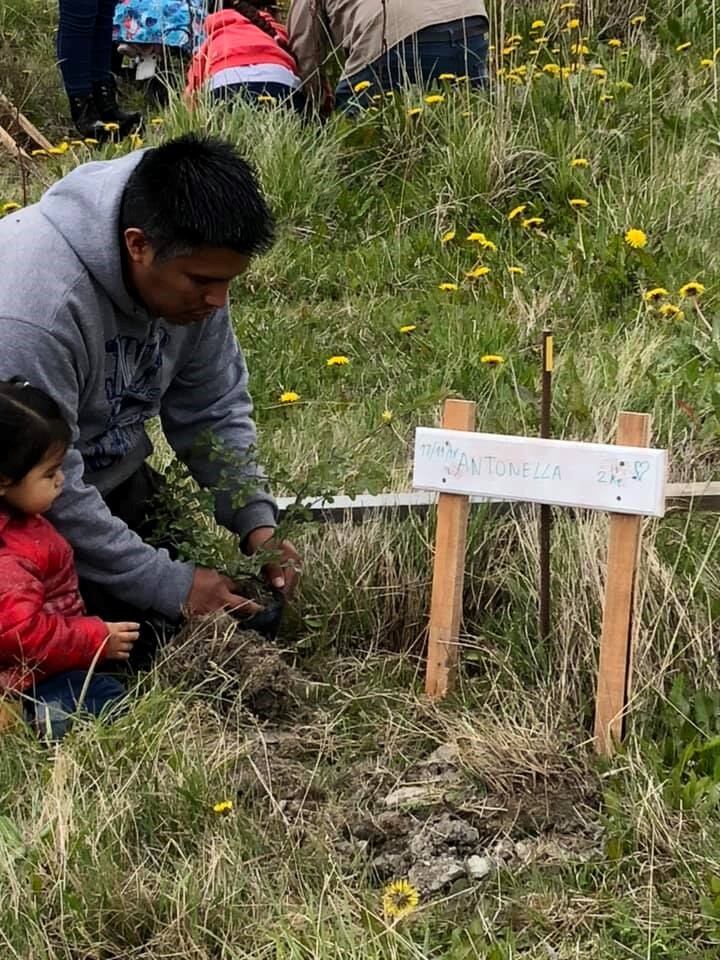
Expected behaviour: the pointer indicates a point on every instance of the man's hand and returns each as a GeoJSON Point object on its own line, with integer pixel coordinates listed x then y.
{"type": "Point", "coordinates": [212, 591]}
{"type": "Point", "coordinates": [120, 640]}
{"type": "Point", "coordinates": [283, 571]}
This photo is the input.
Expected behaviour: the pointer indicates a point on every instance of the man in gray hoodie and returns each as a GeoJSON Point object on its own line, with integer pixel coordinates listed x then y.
{"type": "Point", "coordinates": [114, 301]}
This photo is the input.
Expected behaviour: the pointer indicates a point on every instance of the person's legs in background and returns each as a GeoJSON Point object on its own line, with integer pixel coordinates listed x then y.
{"type": "Point", "coordinates": [103, 81]}
{"type": "Point", "coordinates": [50, 705]}
{"type": "Point", "coordinates": [262, 93]}
{"type": "Point", "coordinates": [84, 43]}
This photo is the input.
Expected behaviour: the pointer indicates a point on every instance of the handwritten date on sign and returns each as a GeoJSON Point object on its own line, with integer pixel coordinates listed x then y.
{"type": "Point", "coordinates": [593, 476]}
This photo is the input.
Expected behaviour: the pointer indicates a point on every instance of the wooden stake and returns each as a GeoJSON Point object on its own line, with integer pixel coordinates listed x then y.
{"type": "Point", "coordinates": [545, 508]}
{"type": "Point", "coordinates": [615, 667]}
{"type": "Point", "coordinates": [448, 571]}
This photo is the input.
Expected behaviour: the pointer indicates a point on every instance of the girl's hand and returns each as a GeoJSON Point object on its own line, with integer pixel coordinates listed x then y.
{"type": "Point", "coordinates": [121, 639]}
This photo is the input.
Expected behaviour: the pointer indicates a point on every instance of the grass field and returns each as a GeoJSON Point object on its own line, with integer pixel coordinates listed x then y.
{"type": "Point", "coordinates": [109, 845]}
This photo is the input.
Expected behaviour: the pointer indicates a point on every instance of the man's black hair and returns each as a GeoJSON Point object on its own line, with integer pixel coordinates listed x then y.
{"type": "Point", "coordinates": [197, 191]}
{"type": "Point", "coordinates": [31, 427]}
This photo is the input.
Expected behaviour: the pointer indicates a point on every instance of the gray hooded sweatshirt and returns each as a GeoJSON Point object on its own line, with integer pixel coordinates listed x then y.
{"type": "Point", "coordinates": [69, 326]}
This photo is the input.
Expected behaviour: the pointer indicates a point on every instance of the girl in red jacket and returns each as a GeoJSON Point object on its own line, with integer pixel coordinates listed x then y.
{"type": "Point", "coordinates": [47, 643]}
{"type": "Point", "coordinates": [245, 54]}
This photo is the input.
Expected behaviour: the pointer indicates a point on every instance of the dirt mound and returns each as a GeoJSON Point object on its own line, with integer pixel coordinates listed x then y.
{"type": "Point", "coordinates": [232, 667]}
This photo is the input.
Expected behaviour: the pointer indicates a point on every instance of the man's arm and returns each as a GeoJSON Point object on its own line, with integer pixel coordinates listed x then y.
{"type": "Point", "coordinates": [209, 398]}
{"type": "Point", "coordinates": [308, 43]}
{"type": "Point", "coordinates": [106, 551]}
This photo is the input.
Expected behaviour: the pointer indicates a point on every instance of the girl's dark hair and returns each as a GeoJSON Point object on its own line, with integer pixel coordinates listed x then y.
{"type": "Point", "coordinates": [251, 10]}
{"type": "Point", "coordinates": [31, 426]}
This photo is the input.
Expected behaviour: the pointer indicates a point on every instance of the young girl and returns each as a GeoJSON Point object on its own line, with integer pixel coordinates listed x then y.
{"type": "Point", "coordinates": [245, 54]}
{"type": "Point", "coordinates": [47, 643]}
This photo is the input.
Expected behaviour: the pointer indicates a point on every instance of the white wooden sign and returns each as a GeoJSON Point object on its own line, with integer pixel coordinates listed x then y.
{"type": "Point", "coordinates": [595, 476]}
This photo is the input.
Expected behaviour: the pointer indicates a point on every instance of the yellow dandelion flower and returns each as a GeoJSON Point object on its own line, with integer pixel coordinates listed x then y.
{"type": "Point", "coordinates": [362, 85]}
{"type": "Point", "coordinates": [414, 111]}
{"type": "Point", "coordinates": [516, 211]}
{"type": "Point", "coordinates": [433, 98]}
{"type": "Point", "coordinates": [623, 85]}
{"type": "Point", "coordinates": [447, 236]}
{"type": "Point", "coordinates": [683, 46]}
{"type": "Point", "coordinates": [386, 416]}
{"type": "Point", "coordinates": [492, 359]}
{"type": "Point", "coordinates": [599, 72]}
{"type": "Point", "coordinates": [692, 289]}
{"type": "Point", "coordinates": [463, 79]}
{"type": "Point", "coordinates": [635, 238]}
{"type": "Point", "coordinates": [579, 49]}
{"type": "Point", "coordinates": [55, 151]}
{"type": "Point", "coordinates": [90, 142]}
{"type": "Point", "coordinates": [606, 98]}
{"type": "Point", "coordinates": [552, 68]}
{"type": "Point", "coordinates": [488, 245]}
{"type": "Point", "coordinates": [532, 222]}
{"type": "Point", "coordinates": [157, 122]}
{"type": "Point", "coordinates": [637, 21]}
{"type": "Point", "coordinates": [337, 361]}
{"type": "Point", "coordinates": [477, 272]}
{"type": "Point", "coordinates": [540, 41]}
{"type": "Point", "coordinates": [448, 287]}
{"type": "Point", "coordinates": [447, 76]}
{"type": "Point", "coordinates": [408, 328]}
{"type": "Point", "coordinates": [400, 898]}
{"type": "Point", "coordinates": [225, 806]}
{"type": "Point", "coordinates": [518, 271]}
{"type": "Point", "coordinates": [615, 42]}
{"type": "Point", "coordinates": [268, 98]}
{"type": "Point", "coordinates": [578, 203]}
{"type": "Point", "coordinates": [537, 24]}
{"type": "Point", "coordinates": [508, 51]}
{"type": "Point", "coordinates": [289, 396]}
{"type": "Point", "coordinates": [76, 143]}
{"type": "Point", "coordinates": [111, 127]}
{"type": "Point", "coordinates": [514, 38]}
{"type": "Point", "coordinates": [62, 147]}
{"type": "Point", "coordinates": [706, 62]}
{"type": "Point", "coordinates": [657, 293]}
{"type": "Point", "coordinates": [136, 141]}
{"type": "Point", "coordinates": [9, 207]}
{"type": "Point", "coordinates": [669, 310]}
{"type": "Point", "coordinates": [573, 24]}
{"type": "Point", "coordinates": [579, 162]}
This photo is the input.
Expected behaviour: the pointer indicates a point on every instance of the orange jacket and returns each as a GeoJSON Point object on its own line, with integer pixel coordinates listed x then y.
{"type": "Point", "coordinates": [233, 41]}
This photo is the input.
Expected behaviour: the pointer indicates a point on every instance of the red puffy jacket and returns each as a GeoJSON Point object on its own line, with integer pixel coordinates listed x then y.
{"type": "Point", "coordinates": [43, 626]}
{"type": "Point", "coordinates": [233, 41]}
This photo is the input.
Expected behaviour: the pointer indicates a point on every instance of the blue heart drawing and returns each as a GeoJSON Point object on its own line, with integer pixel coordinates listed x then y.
{"type": "Point", "coordinates": [641, 468]}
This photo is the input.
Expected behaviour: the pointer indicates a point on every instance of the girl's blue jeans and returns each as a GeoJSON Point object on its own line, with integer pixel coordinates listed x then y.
{"type": "Point", "coordinates": [51, 704]}
{"type": "Point", "coordinates": [459, 48]}
{"type": "Point", "coordinates": [84, 43]}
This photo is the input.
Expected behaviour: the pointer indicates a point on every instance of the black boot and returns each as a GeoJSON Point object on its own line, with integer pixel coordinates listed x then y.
{"type": "Point", "coordinates": [105, 96]}
{"type": "Point", "coordinates": [86, 118]}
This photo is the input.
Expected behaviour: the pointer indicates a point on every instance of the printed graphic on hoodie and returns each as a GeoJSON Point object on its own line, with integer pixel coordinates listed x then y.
{"type": "Point", "coordinates": [133, 391]}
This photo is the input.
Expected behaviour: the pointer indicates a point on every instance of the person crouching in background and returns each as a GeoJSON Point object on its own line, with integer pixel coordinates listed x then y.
{"type": "Point", "coordinates": [245, 54]}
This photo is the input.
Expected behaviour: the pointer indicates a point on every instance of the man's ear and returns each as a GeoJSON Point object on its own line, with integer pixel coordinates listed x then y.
{"type": "Point", "coordinates": [138, 246]}
{"type": "Point", "coordinates": [5, 484]}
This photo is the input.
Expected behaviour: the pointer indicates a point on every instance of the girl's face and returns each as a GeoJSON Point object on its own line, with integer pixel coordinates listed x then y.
{"type": "Point", "coordinates": [38, 489]}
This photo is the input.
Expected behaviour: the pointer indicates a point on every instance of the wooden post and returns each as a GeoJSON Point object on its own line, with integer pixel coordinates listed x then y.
{"type": "Point", "coordinates": [615, 666]}
{"type": "Point", "coordinates": [448, 570]}
{"type": "Point", "coordinates": [545, 508]}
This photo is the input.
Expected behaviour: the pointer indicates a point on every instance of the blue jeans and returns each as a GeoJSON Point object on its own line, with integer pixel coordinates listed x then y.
{"type": "Point", "coordinates": [84, 43]}
{"type": "Point", "coordinates": [253, 91]}
{"type": "Point", "coordinates": [51, 704]}
{"type": "Point", "coordinates": [459, 47]}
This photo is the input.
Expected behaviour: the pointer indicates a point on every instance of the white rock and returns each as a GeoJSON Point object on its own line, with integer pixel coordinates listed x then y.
{"type": "Point", "coordinates": [478, 867]}
{"type": "Point", "coordinates": [409, 795]}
